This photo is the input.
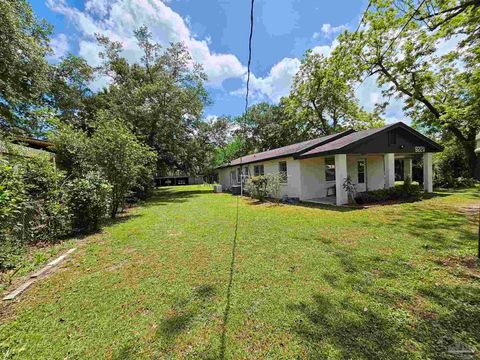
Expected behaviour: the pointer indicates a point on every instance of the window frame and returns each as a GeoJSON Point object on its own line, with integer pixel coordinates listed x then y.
{"type": "Point", "coordinates": [364, 172]}
{"type": "Point", "coordinates": [283, 173]}
{"type": "Point", "coordinates": [392, 137]}
{"type": "Point", "coordinates": [329, 175]}
{"type": "Point", "coordinates": [256, 171]}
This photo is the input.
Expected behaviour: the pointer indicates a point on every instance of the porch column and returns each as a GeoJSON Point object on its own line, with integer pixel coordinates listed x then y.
{"type": "Point", "coordinates": [428, 172]}
{"type": "Point", "coordinates": [340, 176]}
{"type": "Point", "coordinates": [407, 169]}
{"type": "Point", "coordinates": [389, 166]}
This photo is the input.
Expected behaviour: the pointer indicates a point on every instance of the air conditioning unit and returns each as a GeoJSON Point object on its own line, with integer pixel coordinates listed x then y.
{"type": "Point", "coordinates": [217, 188]}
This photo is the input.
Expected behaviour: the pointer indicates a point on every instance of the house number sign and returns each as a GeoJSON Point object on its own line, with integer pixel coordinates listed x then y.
{"type": "Point", "coordinates": [419, 149]}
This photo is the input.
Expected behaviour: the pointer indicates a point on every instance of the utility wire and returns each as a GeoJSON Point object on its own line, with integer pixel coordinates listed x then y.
{"type": "Point", "coordinates": [235, 235]}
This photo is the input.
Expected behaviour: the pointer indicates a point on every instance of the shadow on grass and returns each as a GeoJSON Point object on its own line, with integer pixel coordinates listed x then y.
{"type": "Point", "coordinates": [371, 312]}
{"type": "Point", "coordinates": [272, 203]}
{"type": "Point", "coordinates": [183, 314]}
{"type": "Point", "coordinates": [164, 196]}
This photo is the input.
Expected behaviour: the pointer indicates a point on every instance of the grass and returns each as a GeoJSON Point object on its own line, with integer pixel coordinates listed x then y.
{"type": "Point", "coordinates": [388, 282]}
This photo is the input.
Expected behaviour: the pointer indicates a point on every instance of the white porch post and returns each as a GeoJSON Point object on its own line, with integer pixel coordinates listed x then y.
{"type": "Point", "coordinates": [407, 169]}
{"type": "Point", "coordinates": [428, 172]}
{"type": "Point", "coordinates": [340, 176]}
{"type": "Point", "coordinates": [389, 164]}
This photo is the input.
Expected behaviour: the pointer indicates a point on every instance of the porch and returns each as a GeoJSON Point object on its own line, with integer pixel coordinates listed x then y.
{"type": "Point", "coordinates": [323, 178]}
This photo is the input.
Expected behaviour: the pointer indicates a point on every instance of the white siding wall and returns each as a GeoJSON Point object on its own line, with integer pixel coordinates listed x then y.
{"type": "Point", "coordinates": [291, 189]}
{"type": "Point", "coordinates": [313, 178]}
{"type": "Point", "coordinates": [306, 177]}
{"type": "Point", "coordinates": [375, 172]}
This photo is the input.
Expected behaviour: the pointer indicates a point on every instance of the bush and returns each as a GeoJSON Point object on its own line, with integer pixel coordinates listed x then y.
{"type": "Point", "coordinates": [451, 168]}
{"type": "Point", "coordinates": [88, 199]}
{"type": "Point", "coordinates": [399, 192]}
{"type": "Point", "coordinates": [261, 187]}
{"type": "Point", "coordinates": [12, 202]}
{"type": "Point", "coordinates": [46, 214]}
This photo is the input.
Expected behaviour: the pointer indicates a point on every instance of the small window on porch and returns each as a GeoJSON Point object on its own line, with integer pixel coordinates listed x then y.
{"type": "Point", "coordinates": [330, 169]}
{"type": "Point", "coordinates": [282, 169]}
{"type": "Point", "coordinates": [361, 171]}
{"type": "Point", "coordinates": [258, 170]}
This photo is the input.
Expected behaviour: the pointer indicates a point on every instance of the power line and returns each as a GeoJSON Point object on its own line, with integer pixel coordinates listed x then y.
{"type": "Point", "coordinates": [249, 55]}
{"type": "Point", "coordinates": [235, 235]}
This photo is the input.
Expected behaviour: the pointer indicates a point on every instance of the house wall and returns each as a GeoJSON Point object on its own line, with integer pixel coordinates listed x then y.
{"type": "Point", "coordinates": [306, 177]}
{"type": "Point", "coordinates": [291, 189]}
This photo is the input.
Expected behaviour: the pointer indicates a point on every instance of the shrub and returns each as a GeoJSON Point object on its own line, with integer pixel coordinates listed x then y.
{"type": "Point", "coordinates": [399, 192]}
{"type": "Point", "coordinates": [12, 202]}
{"type": "Point", "coordinates": [46, 215]}
{"type": "Point", "coordinates": [88, 199]}
{"type": "Point", "coordinates": [261, 187]}
{"type": "Point", "coordinates": [121, 158]}
{"type": "Point", "coordinates": [451, 167]}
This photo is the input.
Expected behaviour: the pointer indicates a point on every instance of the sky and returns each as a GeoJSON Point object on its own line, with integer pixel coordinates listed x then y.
{"type": "Point", "coordinates": [216, 33]}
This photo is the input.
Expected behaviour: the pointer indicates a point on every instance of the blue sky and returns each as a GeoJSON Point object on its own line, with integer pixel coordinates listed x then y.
{"type": "Point", "coordinates": [216, 32]}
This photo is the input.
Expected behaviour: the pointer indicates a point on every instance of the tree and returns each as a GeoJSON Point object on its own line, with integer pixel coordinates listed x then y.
{"type": "Point", "coordinates": [120, 157]}
{"type": "Point", "coordinates": [322, 100]}
{"type": "Point", "coordinates": [161, 98]}
{"type": "Point", "coordinates": [399, 46]}
{"type": "Point", "coordinates": [23, 66]}
{"type": "Point", "coordinates": [266, 127]}
{"type": "Point", "coordinates": [70, 94]}
{"type": "Point", "coordinates": [113, 150]}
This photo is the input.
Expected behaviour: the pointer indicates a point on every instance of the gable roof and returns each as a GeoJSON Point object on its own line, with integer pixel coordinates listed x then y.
{"type": "Point", "coordinates": [285, 151]}
{"type": "Point", "coordinates": [332, 144]}
{"type": "Point", "coordinates": [347, 142]}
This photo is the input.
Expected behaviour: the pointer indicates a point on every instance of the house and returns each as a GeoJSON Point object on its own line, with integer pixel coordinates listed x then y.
{"type": "Point", "coordinates": [317, 169]}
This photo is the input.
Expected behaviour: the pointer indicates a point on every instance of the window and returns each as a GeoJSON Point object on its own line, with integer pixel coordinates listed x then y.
{"type": "Point", "coordinates": [282, 169]}
{"type": "Point", "coordinates": [361, 166]}
{"type": "Point", "coordinates": [392, 138]}
{"type": "Point", "coordinates": [330, 169]}
{"type": "Point", "coordinates": [258, 170]}
{"type": "Point", "coordinates": [232, 177]}
{"type": "Point", "coordinates": [239, 175]}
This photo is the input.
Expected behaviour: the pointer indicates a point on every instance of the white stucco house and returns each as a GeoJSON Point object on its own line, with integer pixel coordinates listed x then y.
{"type": "Point", "coordinates": [316, 169]}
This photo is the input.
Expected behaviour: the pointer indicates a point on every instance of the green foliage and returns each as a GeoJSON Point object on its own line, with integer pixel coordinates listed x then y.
{"type": "Point", "coordinates": [12, 202]}
{"type": "Point", "coordinates": [33, 206]}
{"type": "Point", "coordinates": [121, 158]}
{"type": "Point", "coordinates": [161, 99]}
{"type": "Point", "coordinates": [266, 127]}
{"type": "Point", "coordinates": [88, 199]}
{"type": "Point", "coordinates": [23, 66]}
{"type": "Point", "coordinates": [46, 216]}
{"type": "Point", "coordinates": [261, 187]}
{"type": "Point", "coordinates": [441, 91]}
{"type": "Point", "coordinates": [322, 100]}
{"type": "Point", "coordinates": [451, 167]}
{"type": "Point", "coordinates": [349, 187]}
{"type": "Point", "coordinates": [406, 191]}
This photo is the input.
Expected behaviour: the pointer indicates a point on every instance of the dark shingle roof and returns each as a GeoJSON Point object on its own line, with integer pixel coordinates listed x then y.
{"type": "Point", "coordinates": [285, 151]}
{"type": "Point", "coordinates": [346, 140]}
{"type": "Point", "coordinates": [331, 144]}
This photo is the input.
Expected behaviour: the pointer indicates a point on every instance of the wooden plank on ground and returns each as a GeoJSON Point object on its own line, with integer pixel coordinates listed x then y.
{"type": "Point", "coordinates": [35, 275]}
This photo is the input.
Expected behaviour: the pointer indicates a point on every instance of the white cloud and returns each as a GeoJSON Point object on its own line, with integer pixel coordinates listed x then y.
{"type": "Point", "coordinates": [117, 20]}
{"type": "Point", "coordinates": [276, 84]}
{"type": "Point", "coordinates": [60, 46]}
{"type": "Point", "coordinates": [328, 31]}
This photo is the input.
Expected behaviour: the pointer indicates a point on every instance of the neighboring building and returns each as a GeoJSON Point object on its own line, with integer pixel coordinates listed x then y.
{"type": "Point", "coordinates": [316, 169]}
{"type": "Point", "coordinates": [27, 147]}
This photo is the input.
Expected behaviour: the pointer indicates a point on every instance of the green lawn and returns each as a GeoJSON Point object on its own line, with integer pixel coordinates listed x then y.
{"type": "Point", "coordinates": [389, 282]}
